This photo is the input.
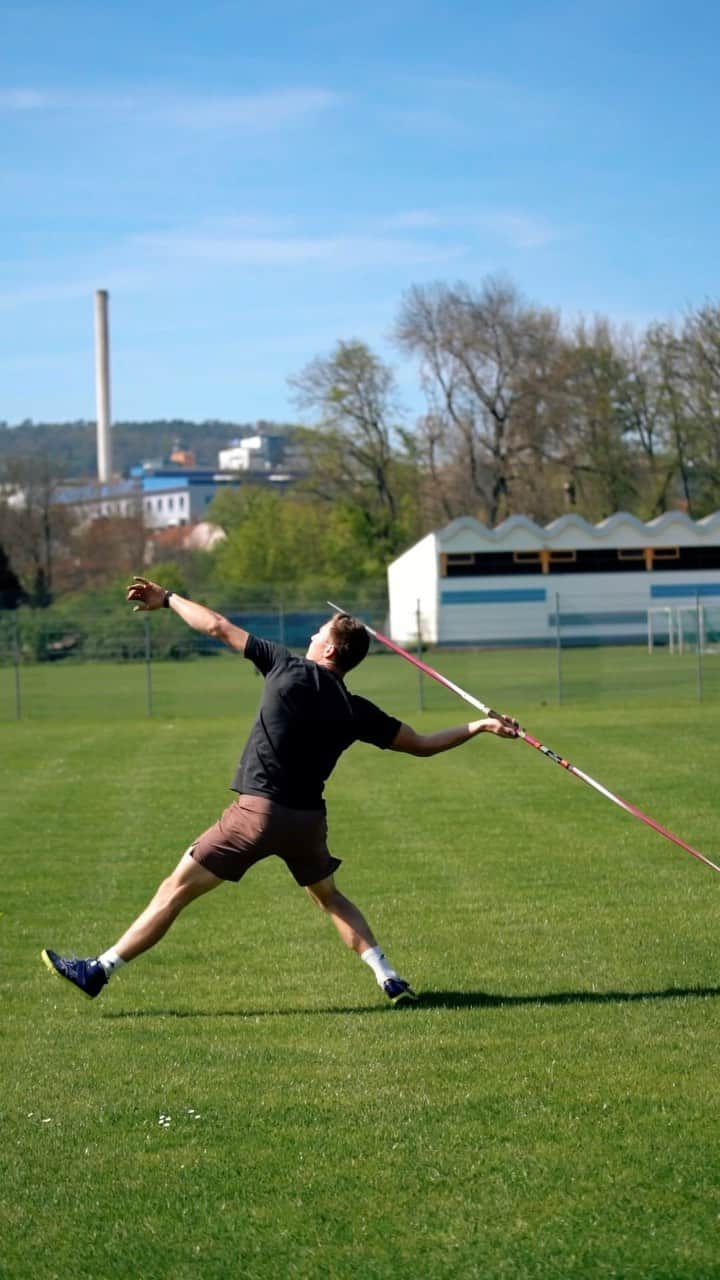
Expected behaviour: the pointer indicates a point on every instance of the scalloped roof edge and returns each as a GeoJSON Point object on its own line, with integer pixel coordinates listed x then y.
{"type": "Point", "coordinates": [609, 524]}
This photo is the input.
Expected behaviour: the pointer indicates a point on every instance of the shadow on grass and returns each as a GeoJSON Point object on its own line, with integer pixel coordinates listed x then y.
{"type": "Point", "coordinates": [436, 1000]}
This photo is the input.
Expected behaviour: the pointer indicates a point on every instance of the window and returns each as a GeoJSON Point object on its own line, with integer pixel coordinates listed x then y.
{"type": "Point", "coordinates": [666, 553]}
{"type": "Point", "coordinates": [607, 560]}
{"type": "Point", "coordinates": [469, 564]}
{"type": "Point", "coordinates": [562, 557]}
{"type": "Point", "coordinates": [526, 557]}
{"type": "Point", "coordinates": [707, 557]}
{"type": "Point", "coordinates": [631, 553]}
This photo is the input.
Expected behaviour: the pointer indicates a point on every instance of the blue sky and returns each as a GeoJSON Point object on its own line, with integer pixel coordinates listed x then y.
{"type": "Point", "coordinates": [253, 182]}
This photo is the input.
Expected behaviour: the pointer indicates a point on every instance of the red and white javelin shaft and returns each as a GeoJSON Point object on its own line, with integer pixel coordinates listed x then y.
{"type": "Point", "coordinates": [533, 742]}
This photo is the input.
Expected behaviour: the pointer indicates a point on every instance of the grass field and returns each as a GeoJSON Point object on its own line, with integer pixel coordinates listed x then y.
{"type": "Point", "coordinates": [549, 1109]}
{"type": "Point", "coordinates": [512, 680]}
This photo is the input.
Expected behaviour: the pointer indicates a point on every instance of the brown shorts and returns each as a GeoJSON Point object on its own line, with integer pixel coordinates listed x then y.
{"type": "Point", "coordinates": [252, 828]}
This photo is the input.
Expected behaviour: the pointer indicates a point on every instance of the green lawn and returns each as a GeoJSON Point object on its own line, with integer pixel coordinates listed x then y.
{"type": "Point", "coordinates": [549, 1109]}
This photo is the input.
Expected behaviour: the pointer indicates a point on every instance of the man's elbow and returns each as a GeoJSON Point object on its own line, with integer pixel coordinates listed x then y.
{"type": "Point", "coordinates": [218, 627]}
{"type": "Point", "coordinates": [234, 637]}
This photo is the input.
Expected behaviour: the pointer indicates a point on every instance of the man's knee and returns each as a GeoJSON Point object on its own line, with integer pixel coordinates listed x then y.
{"type": "Point", "coordinates": [189, 880]}
{"type": "Point", "coordinates": [324, 895]}
{"type": "Point", "coordinates": [172, 892]}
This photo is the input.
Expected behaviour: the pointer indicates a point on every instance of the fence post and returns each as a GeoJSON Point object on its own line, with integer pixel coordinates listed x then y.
{"type": "Point", "coordinates": [421, 687]}
{"type": "Point", "coordinates": [16, 666]}
{"type": "Point", "coordinates": [700, 627]}
{"type": "Point", "coordinates": [558, 650]}
{"type": "Point", "coordinates": [148, 667]}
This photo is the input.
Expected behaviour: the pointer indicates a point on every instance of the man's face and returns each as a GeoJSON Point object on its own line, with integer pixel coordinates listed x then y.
{"type": "Point", "coordinates": [319, 643]}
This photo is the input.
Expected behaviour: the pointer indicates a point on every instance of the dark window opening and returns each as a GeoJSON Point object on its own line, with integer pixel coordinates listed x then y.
{"type": "Point", "coordinates": [612, 560]}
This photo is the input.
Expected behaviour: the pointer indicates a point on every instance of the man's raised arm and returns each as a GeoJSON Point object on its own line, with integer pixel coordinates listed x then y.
{"type": "Point", "coordinates": [150, 595]}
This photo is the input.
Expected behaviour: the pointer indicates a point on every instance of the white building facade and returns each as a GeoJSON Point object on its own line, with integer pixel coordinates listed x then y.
{"type": "Point", "coordinates": [525, 584]}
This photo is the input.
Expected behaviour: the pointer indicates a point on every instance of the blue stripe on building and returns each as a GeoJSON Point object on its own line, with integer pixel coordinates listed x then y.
{"type": "Point", "coordinates": [513, 595]}
{"type": "Point", "coordinates": [593, 641]}
{"type": "Point", "coordinates": [685, 590]}
{"type": "Point", "coordinates": [619, 618]}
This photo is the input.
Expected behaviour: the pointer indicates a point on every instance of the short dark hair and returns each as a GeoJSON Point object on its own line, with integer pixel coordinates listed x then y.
{"type": "Point", "coordinates": [351, 639]}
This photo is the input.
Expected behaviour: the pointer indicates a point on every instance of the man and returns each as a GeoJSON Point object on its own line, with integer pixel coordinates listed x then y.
{"type": "Point", "coordinates": [307, 718]}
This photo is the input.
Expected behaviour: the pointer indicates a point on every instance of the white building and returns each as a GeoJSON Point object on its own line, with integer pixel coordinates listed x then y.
{"type": "Point", "coordinates": [247, 455]}
{"type": "Point", "coordinates": [95, 501]}
{"type": "Point", "coordinates": [161, 503]}
{"type": "Point", "coordinates": [166, 503]}
{"type": "Point", "coordinates": [522, 584]}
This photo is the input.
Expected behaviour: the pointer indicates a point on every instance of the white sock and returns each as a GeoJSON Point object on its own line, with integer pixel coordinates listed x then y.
{"type": "Point", "coordinates": [110, 961]}
{"type": "Point", "coordinates": [379, 965]}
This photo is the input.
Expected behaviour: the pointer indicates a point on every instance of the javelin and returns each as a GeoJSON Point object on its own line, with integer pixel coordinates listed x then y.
{"type": "Point", "coordinates": [533, 742]}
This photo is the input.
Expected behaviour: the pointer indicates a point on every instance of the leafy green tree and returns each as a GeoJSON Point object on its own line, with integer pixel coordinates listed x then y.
{"type": "Point", "coordinates": [288, 549]}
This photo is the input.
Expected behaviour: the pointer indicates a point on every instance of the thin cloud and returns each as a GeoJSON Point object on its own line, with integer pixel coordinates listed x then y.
{"type": "Point", "coordinates": [346, 251]}
{"type": "Point", "coordinates": [519, 230]}
{"type": "Point", "coordinates": [253, 112]}
{"type": "Point", "coordinates": [49, 292]}
{"type": "Point", "coordinates": [495, 96]}
{"type": "Point", "coordinates": [416, 220]}
{"type": "Point", "coordinates": [24, 100]}
{"type": "Point", "coordinates": [264, 111]}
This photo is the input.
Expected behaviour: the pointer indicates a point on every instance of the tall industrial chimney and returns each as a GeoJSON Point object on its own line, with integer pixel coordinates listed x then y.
{"type": "Point", "coordinates": [102, 386]}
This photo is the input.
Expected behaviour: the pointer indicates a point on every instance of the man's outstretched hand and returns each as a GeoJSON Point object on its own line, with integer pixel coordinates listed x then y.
{"type": "Point", "coordinates": [147, 594]}
{"type": "Point", "coordinates": [503, 726]}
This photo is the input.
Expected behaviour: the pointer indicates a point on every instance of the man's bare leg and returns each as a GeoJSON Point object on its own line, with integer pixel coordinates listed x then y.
{"type": "Point", "coordinates": [357, 934]}
{"type": "Point", "coordinates": [188, 881]}
{"type": "Point", "coordinates": [347, 918]}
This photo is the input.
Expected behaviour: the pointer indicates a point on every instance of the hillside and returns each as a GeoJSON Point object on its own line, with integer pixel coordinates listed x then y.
{"type": "Point", "coordinates": [70, 446]}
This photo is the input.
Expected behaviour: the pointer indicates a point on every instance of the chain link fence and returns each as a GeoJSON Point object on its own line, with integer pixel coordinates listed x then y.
{"type": "Point", "coordinates": [54, 663]}
{"type": "Point", "coordinates": [37, 645]}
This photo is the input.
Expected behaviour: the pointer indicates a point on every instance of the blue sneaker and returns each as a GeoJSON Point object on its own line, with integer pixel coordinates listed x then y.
{"type": "Point", "coordinates": [398, 991]}
{"type": "Point", "coordinates": [88, 975]}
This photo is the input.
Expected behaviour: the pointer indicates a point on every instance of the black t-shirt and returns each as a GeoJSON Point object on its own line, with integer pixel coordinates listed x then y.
{"type": "Point", "coordinates": [307, 718]}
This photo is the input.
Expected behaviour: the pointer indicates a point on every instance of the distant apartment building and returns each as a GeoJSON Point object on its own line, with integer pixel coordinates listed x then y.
{"type": "Point", "coordinates": [94, 501]}
{"type": "Point", "coordinates": [173, 493]}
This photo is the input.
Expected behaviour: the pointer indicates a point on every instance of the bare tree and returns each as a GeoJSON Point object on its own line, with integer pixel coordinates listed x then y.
{"type": "Point", "coordinates": [671, 353]}
{"type": "Point", "coordinates": [647, 420]}
{"type": "Point", "coordinates": [597, 420]}
{"type": "Point", "coordinates": [484, 363]}
{"type": "Point", "coordinates": [701, 334]}
{"type": "Point", "coordinates": [99, 551]}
